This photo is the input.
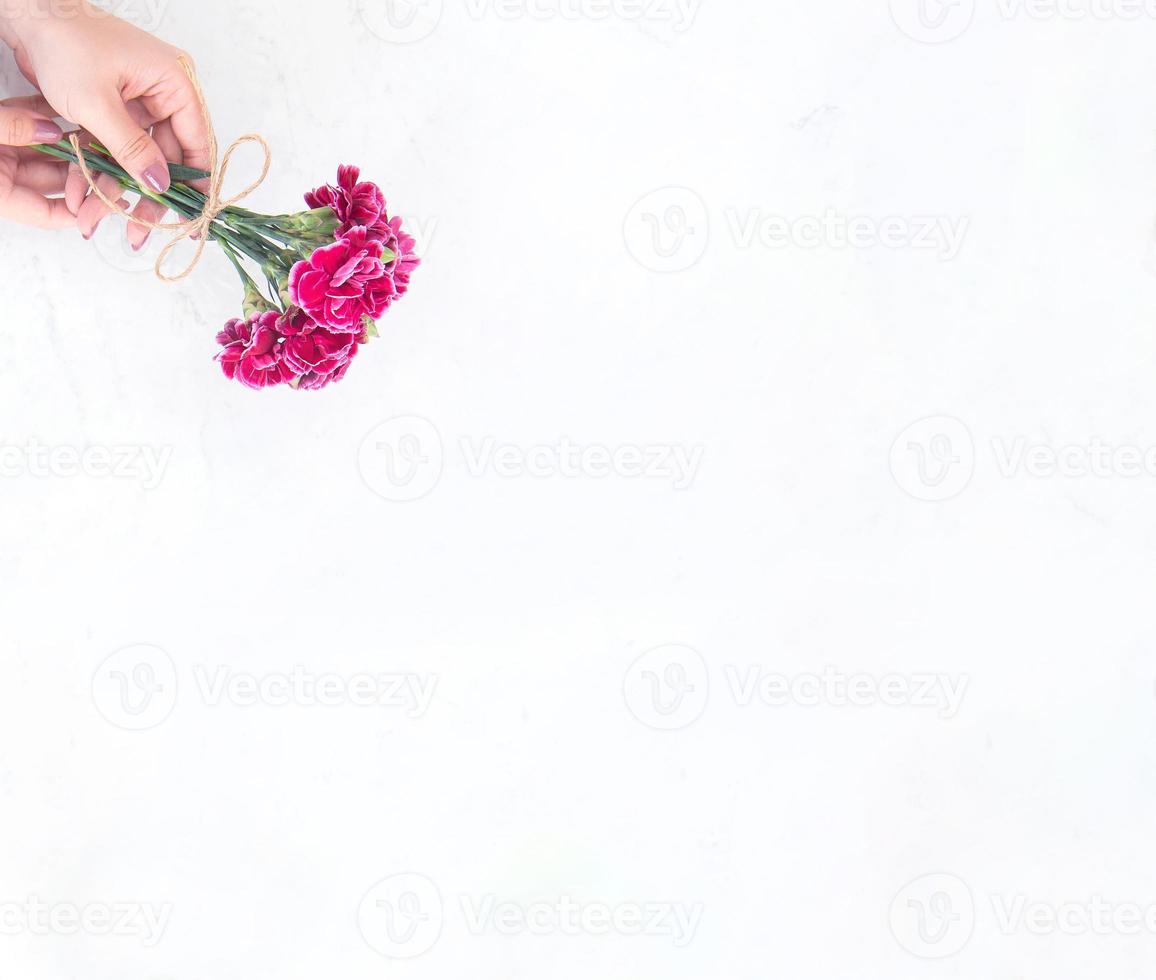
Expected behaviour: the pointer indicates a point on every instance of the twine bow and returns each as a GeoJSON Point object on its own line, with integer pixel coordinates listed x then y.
{"type": "Point", "coordinates": [199, 227]}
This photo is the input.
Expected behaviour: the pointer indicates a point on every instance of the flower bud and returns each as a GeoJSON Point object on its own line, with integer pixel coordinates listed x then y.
{"type": "Point", "coordinates": [254, 302]}
{"type": "Point", "coordinates": [318, 224]}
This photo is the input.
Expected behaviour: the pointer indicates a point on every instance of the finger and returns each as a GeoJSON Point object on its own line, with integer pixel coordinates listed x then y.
{"type": "Point", "coordinates": [24, 63]}
{"type": "Point", "coordinates": [113, 125]}
{"type": "Point", "coordinates": [93, 211]}
{"type": "Point", "coordinates": [44, 176]}
{"type": "Point", "coordinates": [36, 104]}
{"type": "Point", "coordinates": [149, 210]}
{"type": "Point", "coordinates": [188, 121]}
{"type": "Point", "coordinates": [22, 127]}
{"type": "Point", "coordinates": [26, 206]}
{"type": "Point", "coordinates": [76, 187]}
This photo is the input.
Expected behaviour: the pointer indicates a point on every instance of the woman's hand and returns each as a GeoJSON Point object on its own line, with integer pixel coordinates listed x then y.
{"type": "Point", "coordinates": [125, 87]}
{"type": "Point", "coordinates": [28, 178]}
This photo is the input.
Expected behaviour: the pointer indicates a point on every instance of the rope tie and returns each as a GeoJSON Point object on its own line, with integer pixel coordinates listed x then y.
{"type": "Point", "coordinates": [199, 227]}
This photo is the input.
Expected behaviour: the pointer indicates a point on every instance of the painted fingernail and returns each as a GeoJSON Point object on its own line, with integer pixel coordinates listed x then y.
{"type": "Point", "coordinates": [47, 132]}
{"type": "Point", "coordinates": [157, 177]}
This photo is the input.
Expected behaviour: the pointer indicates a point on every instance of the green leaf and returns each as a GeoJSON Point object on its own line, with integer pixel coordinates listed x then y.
{"type": "Point", "coordinates": [185, 174]}
{"type": "Point", "coordinates": [370, 327]}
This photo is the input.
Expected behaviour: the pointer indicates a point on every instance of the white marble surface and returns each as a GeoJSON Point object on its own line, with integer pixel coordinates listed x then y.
{"type": "Point", "coordinates": [526, 761]}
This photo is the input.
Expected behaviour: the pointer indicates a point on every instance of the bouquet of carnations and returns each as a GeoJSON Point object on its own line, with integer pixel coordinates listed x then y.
{"type": "Point", "coordinates": [328, 274]}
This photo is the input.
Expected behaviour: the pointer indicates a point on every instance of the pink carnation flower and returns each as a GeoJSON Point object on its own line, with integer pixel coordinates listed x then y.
{"type": "Point", "coordinates": [343, 282]}
{"type": "Point", "coordinates": [356, 203]}
{"type": "Point", "coordinates": [315, 355]}
{"type": "Point", "coordinates": [251, 352]}
{"type": "Point", "coordinates": [389, 232]}
{"type": "Point", "coordinates": [272, 348]}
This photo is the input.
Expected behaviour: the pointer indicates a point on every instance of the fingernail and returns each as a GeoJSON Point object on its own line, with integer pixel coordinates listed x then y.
{"type": "Point", "coordinates": [157, 177]}
{"type": "Point", "coordinates": [141, 244]}
{"type": "Point", "coordinates": [47, 132]}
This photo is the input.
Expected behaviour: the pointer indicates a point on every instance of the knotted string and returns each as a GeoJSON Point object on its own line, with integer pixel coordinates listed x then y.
{"type": "Point", "coordinates": [199, 227]}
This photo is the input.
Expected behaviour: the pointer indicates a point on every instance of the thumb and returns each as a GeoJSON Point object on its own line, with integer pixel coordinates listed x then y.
{"type": "Point", "coordinates": [133, 148]}
{"type": "Point", "coordinates": [19, 127]}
